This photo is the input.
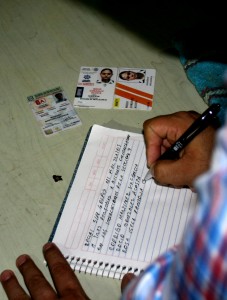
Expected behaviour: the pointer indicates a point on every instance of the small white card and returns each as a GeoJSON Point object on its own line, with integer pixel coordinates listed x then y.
{"type": "Point", "coordinates": [118, 88]}
{"type": "Point", "coordinates": [53, 111]}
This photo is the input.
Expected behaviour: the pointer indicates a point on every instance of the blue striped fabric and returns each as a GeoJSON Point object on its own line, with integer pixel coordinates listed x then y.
{"type": "Point", "coordinates": [206, 70]}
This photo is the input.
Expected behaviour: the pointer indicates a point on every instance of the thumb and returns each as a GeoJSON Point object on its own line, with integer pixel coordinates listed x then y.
{"type": "Point", "coordinates": [177, 173]}
{"type": "Point", "coordinates": [126, 280]}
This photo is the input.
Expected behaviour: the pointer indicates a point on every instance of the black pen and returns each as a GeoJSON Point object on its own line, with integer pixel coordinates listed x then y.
{"type": "Point", "coordinates": [199, 125]}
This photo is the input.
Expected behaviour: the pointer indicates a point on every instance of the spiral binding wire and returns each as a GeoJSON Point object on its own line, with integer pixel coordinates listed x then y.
{"type": "Point", "coordinates": [100, 268]}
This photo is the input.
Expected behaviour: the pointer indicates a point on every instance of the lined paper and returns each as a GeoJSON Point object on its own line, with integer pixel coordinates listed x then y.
{"type": "Point", "coordinates": [111, 216]}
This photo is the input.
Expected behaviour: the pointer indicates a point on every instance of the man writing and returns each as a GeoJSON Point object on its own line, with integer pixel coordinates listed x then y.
{"type": "Point", "coordinates": [194, 269]}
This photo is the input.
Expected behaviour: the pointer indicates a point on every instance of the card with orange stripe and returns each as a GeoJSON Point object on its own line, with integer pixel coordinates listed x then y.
{"type": "Point", "coordinates": [117, 88]}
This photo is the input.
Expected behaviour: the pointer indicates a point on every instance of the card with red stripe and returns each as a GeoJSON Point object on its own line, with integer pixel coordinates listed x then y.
{"type": "Point", "coordinates": [115, 88]}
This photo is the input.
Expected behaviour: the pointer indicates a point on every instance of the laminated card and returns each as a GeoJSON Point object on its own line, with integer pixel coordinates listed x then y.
{"type": "Point", "coordinates": [117, 88]}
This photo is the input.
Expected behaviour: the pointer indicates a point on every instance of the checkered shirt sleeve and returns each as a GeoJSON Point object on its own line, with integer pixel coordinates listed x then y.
{"type": "Point", "coordinates": [197, 270]}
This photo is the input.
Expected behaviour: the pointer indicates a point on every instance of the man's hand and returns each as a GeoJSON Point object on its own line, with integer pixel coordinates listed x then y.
{"type": "Point", "coordinates": [161, 132]}
{"type": "Point", "coordinates": [67, 286]}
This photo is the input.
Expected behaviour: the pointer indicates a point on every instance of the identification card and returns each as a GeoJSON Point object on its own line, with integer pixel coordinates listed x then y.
{"type": "Point", "coordinates": [117, 88]}
{"type": "Point", "coordinates": [53, 111]}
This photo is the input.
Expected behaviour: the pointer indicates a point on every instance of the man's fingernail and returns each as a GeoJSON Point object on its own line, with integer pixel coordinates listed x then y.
{"type": "Point", "coordinates": [22, 259]}
{"type": "Point", "coordinates": [6, 275]}
{"type": "Point", "coordinates": [48, 246]}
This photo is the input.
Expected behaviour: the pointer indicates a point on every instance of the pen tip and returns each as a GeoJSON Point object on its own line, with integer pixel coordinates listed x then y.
{"type": "Point", "coordinates": [148, 176]}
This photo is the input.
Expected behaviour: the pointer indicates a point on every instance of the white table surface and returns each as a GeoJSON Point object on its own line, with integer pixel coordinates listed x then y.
{"type": "Point", "coordinates": [43, 45]}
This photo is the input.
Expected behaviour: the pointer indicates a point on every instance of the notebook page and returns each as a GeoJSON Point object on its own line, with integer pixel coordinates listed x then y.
{"type": "Point", "coordinates": [113, 221]}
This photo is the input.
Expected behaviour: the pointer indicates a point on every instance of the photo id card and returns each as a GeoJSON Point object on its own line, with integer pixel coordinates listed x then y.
{"type": "Point", "coordinates": [95, 87]}
{"type": "Point", "coordinates": [53, 111]}
{"type": "Point", "coordinates": [117, 88]}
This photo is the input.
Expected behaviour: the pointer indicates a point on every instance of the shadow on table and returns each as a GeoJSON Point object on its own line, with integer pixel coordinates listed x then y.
{"type": "Point", "coordinates": [199, 25]}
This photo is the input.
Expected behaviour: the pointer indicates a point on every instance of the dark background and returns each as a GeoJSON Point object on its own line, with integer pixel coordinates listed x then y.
{"type": "Point", "coordinates": [200, 25]}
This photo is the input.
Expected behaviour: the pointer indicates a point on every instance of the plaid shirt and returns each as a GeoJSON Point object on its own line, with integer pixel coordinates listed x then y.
{"type": "Point", "coordinates": [197, 269]}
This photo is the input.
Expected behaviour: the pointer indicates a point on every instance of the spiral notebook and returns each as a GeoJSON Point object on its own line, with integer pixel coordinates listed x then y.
{"type": "Point", "coordinates": [111, 221]}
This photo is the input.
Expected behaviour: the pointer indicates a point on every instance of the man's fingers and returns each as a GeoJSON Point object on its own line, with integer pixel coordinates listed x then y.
{"type": "Point", "coordinates": [12, 287]}
{"type": "Point", "coordinates": [171, 172]}
{"type": "Point", "coordinates": [38, 286]}
{"type": "Point", "coordinates": [59, 268]}
{"type": "Point", "coordinates": [126, 280]}
{"type": "Point", "coordinates": [65, 280]}
{"type": "Point", "coordinates": [162, 131]}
